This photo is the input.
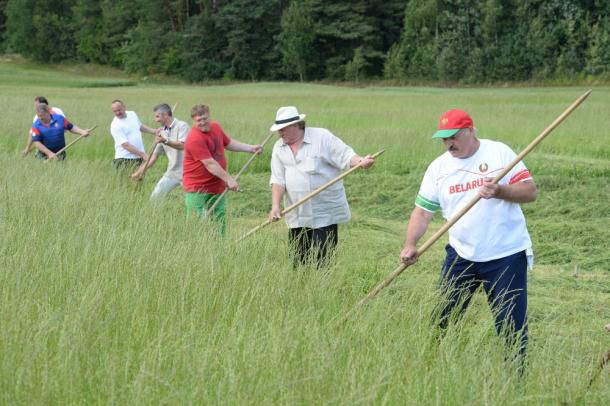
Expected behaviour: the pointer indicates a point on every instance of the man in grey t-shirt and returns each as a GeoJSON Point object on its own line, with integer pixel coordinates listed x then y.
{"type": "Point", "coordinates": [170, 142]}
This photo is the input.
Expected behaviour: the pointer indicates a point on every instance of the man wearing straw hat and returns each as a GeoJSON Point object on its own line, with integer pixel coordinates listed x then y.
{"type": "Point", "coordinates": [205, 174]}
{"type": "Point", "coordinates": [303, 159]}
{"type": "Point", "coordinates": [490, 244]}
{"type": "Point", "coordinates": [170, 142]}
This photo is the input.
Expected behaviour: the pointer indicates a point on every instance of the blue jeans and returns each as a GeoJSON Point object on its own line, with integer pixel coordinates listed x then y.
{"type": "Point", "coordinates": [505, 282]}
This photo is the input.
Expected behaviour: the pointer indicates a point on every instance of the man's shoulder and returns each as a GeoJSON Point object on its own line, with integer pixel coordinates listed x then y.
{"type": "Point", "coordinates": [215, 127]}
{"type": "Point", "coordinates": [318, 135]}
{"type": "Point", "coordinates": [193, 135]}
{"type": "Point", "coordinates": [56, 110]}
{"type": "Point", "coordinates": [318, 132]}
{"type": "Point", "coordinates": [495, 148]}
{"type": "Point", "coordinates": [182, 124]}
{"type": "Point", "coordinates": [57, 117]}
{"type": "Point", "coordinates": [442, 160]}
{"type": "Point", "coordinates": [493, 143]}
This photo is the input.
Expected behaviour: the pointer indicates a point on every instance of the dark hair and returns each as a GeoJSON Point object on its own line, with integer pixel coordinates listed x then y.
{"type": "Point", "coordinates": [199, 110]}
{"type": "Point", "coordinates": [41, 99]}
{"type": "Point", "coordinates": [163, 108]}
{"type": "Point", "coordinates": [301, 125]}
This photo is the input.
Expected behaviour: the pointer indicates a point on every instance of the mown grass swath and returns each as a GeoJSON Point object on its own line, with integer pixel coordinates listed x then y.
{"type": "Point", "coordinates": [101, 304]}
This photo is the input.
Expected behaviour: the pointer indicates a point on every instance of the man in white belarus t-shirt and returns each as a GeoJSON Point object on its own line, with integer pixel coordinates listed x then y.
{"type": "Point", "coordinates": [490, 244]}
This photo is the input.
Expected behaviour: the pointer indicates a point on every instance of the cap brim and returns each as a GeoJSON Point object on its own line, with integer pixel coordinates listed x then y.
{"type": "Point", "coordinates": [277, 127]}
{"type": "Point", "coordinates": [445, 133]}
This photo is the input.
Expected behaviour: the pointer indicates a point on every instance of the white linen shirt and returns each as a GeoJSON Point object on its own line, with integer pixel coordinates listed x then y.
{"type": "Point", "coordinates": [177, 132]}
{"type": "Point", "coordinates": [320, 158]}
{"type": "Point", "coordinates": [124, 130]}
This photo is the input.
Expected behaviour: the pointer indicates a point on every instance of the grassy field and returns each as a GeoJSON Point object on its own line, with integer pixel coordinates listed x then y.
{"type": "Point", "coordinates": [107, 298]}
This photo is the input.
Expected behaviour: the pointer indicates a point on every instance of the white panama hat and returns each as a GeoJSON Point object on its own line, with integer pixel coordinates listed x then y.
{"type": "Point", "coordinates": [286, 116]}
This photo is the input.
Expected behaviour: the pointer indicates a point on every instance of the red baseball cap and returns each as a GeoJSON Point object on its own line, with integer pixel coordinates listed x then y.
{"type": "Point", "coordinates": [451, 122]}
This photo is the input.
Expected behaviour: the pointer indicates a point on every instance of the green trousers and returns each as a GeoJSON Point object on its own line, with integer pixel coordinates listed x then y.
{"type": "Point", "coordinates": [198, 204]}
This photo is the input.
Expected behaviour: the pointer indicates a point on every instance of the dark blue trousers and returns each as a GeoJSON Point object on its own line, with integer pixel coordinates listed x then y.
{"type": "Point", "coordinates": [505, 282]}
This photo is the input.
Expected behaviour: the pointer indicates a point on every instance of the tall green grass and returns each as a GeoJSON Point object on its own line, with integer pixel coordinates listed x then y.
{"type": "Point", "coordinates": [106, 297]}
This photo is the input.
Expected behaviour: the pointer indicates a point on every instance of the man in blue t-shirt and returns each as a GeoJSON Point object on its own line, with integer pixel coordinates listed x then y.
{"type": "Point", "coordinates": [53, 110]}
{"type": "Point", "coordinates": [48, 133]}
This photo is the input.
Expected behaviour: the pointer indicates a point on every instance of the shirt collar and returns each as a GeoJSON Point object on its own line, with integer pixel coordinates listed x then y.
{"type": "Point", "coordinates": [170, 126]}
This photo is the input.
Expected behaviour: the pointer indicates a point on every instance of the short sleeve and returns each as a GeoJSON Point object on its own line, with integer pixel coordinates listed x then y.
{"type": "Point", "coordinates": [35, 134]}
{"type": "Point", "coordinates": [519, 172]}
{"type": "Point", "coordinates": [278, 172]}
{"type": "Point", "coordinates": [67, 125]}
{"type": "Point", "coordinates": [183, 130]}
{"type": "Point", "coordinates": [428, 197]}
{"type": "Point", "coordinates": [226, 140]}
{"type": "Point", "coordinates": [336, 152]}
{"type": "Point", "coordinates": [138, 120]}
{"type": "Point", "coordinates": [117, 134]}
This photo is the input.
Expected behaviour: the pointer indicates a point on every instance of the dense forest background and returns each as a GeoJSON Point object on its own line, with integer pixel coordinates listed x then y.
{"type": "Point", "coordinates": [463, 41]}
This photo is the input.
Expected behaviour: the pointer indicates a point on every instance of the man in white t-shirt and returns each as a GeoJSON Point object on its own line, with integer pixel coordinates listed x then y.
{"type": "Point", "coordinates": [52, 110]}
{"type": "Point", "coordinates": [490, 244]}
{"type": "Point", "coordinates": [126, 129]}
{"type": "Point", "coordinates": [170, 142]}
{"type": "Point", "coordinates": [303, 159]}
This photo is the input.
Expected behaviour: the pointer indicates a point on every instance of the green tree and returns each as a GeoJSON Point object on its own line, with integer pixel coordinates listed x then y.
{"type": "Point", "coordinates": [117, 19]}
{"type": "Point", "coordinates": [418, 43]}
{"type": "Point", "coordinates": [296, 41]}
{"type": "Point", "coordinates": [598, 54]}
{"type": "Point", "coordinates": [19, 28]}
{"type": "Point", "coordinates": [355, 67]}
{"type": "Point", "coordinates": [201, 46]}
{"type": "Point", "coordinates": [3, 4]}
{"type": "Point", "coordinates": [87, 23]}
{"type": "Point", "coordinates": [250, 27]}
{"type": "Point", "coordinates": [459, 36]}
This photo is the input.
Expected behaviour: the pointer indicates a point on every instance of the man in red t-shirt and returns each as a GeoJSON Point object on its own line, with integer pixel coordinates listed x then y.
{"type": "Point", "coordinates": [205, 174]}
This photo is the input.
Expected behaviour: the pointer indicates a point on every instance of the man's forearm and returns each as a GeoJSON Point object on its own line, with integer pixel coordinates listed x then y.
{"type": "Point", "coordinates": [77, 130]}
{"type": "Point", "coordinates": [215, 169]}
{"type": "Point", "coordinates": [40, 147]}
{"type": "Point", "coordinates": [277, 192]}
{"type": "Point", "coordinates": [147, 129]}
{"type": "Point", "coordinates": [134, 150]}
{"type": "Point", "coordinates": [152, 161]}
{"type": "Point", "coordinates": [29, 143]}
{"type": "Point", "coordinates": [237, 146]}
{"type": "Point", "coordinates": [522, 192]}
{"type": "Point", "coordinates": [418, 224]}
{"type": "Point", "coordinates": [179, 145]}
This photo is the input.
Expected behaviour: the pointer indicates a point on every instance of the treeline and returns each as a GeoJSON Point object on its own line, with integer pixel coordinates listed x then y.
{"type": "Point", "coordinates": [468, 41]}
